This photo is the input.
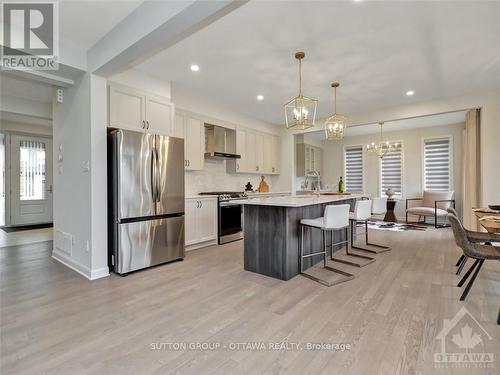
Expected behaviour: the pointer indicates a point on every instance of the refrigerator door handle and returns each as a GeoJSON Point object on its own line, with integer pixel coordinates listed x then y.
{"type": "Point", "coordinates": [157, 174]}
{"type": "Point", "coordinates": [153, 174]}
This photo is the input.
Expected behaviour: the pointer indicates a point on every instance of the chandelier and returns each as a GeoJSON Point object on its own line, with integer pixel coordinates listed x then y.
{"type": "Point", "coordinates": [382, 148]}
{"type": "Point", "coordinates": [300, 112]}
{"type": "Point", "coordinates": [335, 125]}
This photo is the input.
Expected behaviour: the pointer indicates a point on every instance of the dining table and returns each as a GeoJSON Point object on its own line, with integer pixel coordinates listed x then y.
{"type": "Point", "coordinates": [489, 220]}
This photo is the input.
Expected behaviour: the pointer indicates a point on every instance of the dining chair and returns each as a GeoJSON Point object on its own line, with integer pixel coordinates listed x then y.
{"type": "Point", "coordinates": [476, 251]}
{"type": "Point", "coordinates": [477, 237]}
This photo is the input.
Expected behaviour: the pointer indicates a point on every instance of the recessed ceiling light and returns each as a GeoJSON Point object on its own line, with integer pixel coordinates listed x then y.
{"type": "Point", "coordinates": [410, 93]}
{"type": "Point", "coordinates": [260, 97]}
{"type": "Point", "coordinates": [195, 68]}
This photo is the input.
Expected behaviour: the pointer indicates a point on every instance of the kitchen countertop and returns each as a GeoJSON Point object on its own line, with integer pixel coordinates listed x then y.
{"type": "Point", "coordinates": [197, 196]}
{"type": "Point", "coordinates": [255, 194]}
{"type": "Point", "coordinates": [299, 201]}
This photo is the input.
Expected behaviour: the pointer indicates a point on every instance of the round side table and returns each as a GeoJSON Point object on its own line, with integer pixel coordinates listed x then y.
{"type": "Point", "coordinates": [389, 215]}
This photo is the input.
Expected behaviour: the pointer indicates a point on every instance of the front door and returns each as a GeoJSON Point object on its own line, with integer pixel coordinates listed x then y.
{"type": "Point", "coordinates": [30, 180]}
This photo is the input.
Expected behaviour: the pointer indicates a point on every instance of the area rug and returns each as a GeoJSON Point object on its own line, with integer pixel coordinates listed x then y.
{"type": "Point", "coordinates": [27, 227]}
{"type": "Point", "coordinates": [396, 227]}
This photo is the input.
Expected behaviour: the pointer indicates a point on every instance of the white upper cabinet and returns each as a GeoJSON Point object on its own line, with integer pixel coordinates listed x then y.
{"type": "Point", "coordinates": [241, 164]}
{"type": "Point", "coordinates": [193, 132]}
{"type": "Point", "coordinates": [259, 153]}
{"type": "Point", "coordinates": [250, 161]}
{"type": "Point", "coordinates": [159, 115]}
{"type": "Point", "coordinates": [276, 154]}
{"type": "Point", "coordinates": [133, 109]}
{"type": "Point", "coordinates": [127, 108]}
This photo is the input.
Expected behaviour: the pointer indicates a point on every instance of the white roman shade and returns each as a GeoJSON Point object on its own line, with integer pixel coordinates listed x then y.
{"type": "Point", "coordinates": [391, 172]}
{"type": "Point", "coordinates": [353, 166]}
{"type": "Point", "coordinates": [437, 164]}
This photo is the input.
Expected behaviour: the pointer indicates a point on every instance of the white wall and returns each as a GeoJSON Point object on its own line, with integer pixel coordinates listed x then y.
{"type": "Point", "coordinates": [17, 127]}
{"type": "Point", "coordinates": [79, 196]}
{"type": "Point", "coordinates": [333, 154]}
{"type": "Point", "coordinates": [143, 81]}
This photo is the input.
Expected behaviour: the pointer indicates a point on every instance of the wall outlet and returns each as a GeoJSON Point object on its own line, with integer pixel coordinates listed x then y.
{"type": "Point", "coordinates": [86, 166]}
{"type": "Point", "coordinates": [87, 246]}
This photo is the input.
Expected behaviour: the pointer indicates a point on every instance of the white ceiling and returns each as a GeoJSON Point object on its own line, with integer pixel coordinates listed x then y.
{"type": "Point", "coordinates": [377, 50]}
{"type": "Point", "coordinates": [85, 22]}
{"type": "Point", "coordinates": [442, 119]}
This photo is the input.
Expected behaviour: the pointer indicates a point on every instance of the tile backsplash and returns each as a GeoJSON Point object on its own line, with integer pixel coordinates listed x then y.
{"type": "Point", "coordinates": [215, 178]}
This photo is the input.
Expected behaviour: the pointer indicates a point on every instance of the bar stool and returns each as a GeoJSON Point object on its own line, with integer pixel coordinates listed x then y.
{"type": "Point", "coordinates": [336, 217]}
{"type": "Point", "coordinates": [362, 212]}
{"type": "Point", "coordinates": [379, 207]}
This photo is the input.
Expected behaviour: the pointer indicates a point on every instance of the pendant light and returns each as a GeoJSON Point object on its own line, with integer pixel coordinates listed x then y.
{"type": "Point", "coordinates": [335, 125]}
{"type": "Point", "coordinates": [382, 148]}
{"type": "Point", "coordinates": [300, 112]}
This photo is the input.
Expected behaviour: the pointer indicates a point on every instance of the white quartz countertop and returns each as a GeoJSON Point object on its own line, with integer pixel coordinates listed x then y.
{"type": "Point", "coordinates": [299, 200]}
{"type": "Point", "coordinates": [256, 194]}
{"type": "Point", "coordinates": [197, 196]}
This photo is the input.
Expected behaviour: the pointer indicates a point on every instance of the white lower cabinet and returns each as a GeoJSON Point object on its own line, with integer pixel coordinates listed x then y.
{"type": "Point", "coordinates": [200, 222]}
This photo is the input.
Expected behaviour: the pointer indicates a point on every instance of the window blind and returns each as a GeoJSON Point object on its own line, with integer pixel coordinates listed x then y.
{"type": "Point", "coordinates": [353, 159]}
{"type": "Point", "coordinates": [437, 164]}
{"type": "Point", "coordinates": [391, 172]}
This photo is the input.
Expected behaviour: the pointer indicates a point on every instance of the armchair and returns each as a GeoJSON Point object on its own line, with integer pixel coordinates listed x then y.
{"type": "Point", "coordinates": [434, 204]}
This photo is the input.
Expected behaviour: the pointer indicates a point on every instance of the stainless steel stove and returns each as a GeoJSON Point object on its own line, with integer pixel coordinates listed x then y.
{"type": "Point", "coordinates": [230, 215]}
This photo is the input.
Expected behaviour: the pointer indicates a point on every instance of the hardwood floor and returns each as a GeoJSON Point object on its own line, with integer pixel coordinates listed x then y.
{"type": "Point", "coordinates": [54, 321]}
{"type": "Point", "coordinates": [25, 237]}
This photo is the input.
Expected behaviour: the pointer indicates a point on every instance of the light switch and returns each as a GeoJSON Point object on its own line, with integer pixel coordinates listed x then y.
{"type": "Point", "coordinates": [86, 166]}
{"type": "Point", "coordinates": [60, 157]}
{"type": "Point", "coordinates": [60, 169]}
{"type": "Point", "coordinates": [60, 95]}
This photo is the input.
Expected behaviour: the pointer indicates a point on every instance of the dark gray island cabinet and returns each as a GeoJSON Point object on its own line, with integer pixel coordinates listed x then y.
{"type": "Point", "coordinates": [272, 232]}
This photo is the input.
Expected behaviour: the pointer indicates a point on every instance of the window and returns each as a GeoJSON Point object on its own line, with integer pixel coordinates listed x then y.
{"type": "Point", "coordinates": [353, 167]}
{"type": "Point", "coordinates": [391, 172]}
{"type": "Point", "coordinates": [32, 170]}
{"type": "Point", "coordinates": [437, 159]}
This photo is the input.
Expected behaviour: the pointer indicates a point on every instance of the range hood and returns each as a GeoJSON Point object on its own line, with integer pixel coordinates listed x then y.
{"type": "Point", "coordinates": [220, 142]}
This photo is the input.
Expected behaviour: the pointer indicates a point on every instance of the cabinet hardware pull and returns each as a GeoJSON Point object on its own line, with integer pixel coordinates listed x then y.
{"type": "Point", "coordinates": [201, 204]}
{"type": "Point", "coordinates": [143, 124]}
{"type": "Point", "coordinates": [147, 124]}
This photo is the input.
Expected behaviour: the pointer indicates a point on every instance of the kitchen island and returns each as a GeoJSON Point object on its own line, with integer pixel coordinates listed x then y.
{"type": "Point", "coordinates": [272, 232]}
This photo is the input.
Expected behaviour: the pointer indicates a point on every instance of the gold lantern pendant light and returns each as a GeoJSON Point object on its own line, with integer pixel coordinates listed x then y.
{"type": "Point", "coordinates": [335, 125]}
{"type": "Point", "coordinates": [300, 112]}
{"type": "Point", "coordinates": [383, 148]}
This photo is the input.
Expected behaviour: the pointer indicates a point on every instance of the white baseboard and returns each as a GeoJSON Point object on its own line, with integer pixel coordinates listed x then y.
{"type": "Point", "coordinates": [201, 244]}
{"type": "Point", "coordinates": [83, 270]}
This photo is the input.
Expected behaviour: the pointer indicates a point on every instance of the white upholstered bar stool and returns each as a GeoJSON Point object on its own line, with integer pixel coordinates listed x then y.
{"type": "Point", "coordinates": [336, 217]}
{"type": "Point", "coordinates": [379, 207]}
{"type": "Point", "coordinates": [362, 212]}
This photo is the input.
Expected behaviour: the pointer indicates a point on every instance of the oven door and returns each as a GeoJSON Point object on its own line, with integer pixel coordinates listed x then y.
{"type": "Point", "coordinates": [230, 222]}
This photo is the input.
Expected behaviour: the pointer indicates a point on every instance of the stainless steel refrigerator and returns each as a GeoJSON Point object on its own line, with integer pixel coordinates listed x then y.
{"type": "Point", "coordinates": [146, 199]}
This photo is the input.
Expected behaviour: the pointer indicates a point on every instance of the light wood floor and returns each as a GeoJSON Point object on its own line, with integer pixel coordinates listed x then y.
{"type": "Point", "coordinates": [25, 237]}
{"type": "Point", "coordinates": [55, 321]}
